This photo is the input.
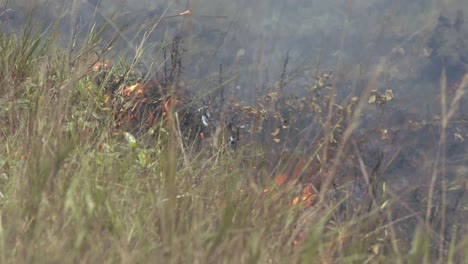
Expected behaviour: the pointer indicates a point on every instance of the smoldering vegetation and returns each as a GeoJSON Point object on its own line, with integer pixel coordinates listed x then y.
{"type": "Point", "coordinates": [339, 129]}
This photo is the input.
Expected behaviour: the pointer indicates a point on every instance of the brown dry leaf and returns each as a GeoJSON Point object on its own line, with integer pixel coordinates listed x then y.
{"type": "Point", "coordinates": [458, 137]}
{"type": "Point", "coordinates": [384, 134]}
{"type": "Point", "coordinates": [389, 95]}
{"type": "Point", "coordinates": [275, 132]}
{"type": "Point", "coordinates": [376, 249]}
{"type": "Point", "coordinates": [250, 110]}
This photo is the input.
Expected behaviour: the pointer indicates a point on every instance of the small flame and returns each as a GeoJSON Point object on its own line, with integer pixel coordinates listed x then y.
{"type": "Point", "coordinates": [307, 197]}
{"type": "Point", "coordinates": [101, 65]}
{"type": "Point", "coordinates": [185, 13]}
{"type": "Point", "coordinates": [127, 91]}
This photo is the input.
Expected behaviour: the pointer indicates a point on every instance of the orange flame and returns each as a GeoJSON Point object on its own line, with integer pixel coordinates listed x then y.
{"type": "Point", "coordinates": [101, 65]}
{"type": "Point", "coordinates": [308, 197]}
{"type": "Point", "coordinates": [127, 91]}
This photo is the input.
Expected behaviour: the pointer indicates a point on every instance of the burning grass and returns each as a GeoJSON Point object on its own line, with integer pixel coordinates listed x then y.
{"type": "Point", "coordinates": [100, 162]}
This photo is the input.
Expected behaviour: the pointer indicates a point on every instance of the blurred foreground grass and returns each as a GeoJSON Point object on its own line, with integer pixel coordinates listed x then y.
{"type": "Point", "coordinates": [74, 188]}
